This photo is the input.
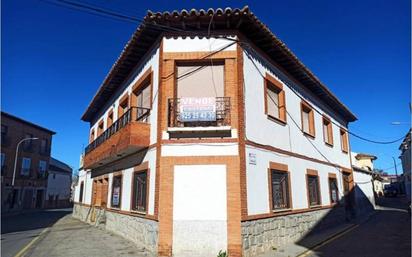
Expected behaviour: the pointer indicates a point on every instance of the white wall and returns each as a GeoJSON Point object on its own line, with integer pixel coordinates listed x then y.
{"type": "Point", "coordinates": [84, 177]}
{"type": "Point", "coordinates": [151, 62]}
{"type": "Point", "coordinates": [58, 183]}
{"type": "Point", "coordinates": [364, 182]}
{"type": "Point", "coordinates": [197, 44]}
{"type": "Point", "coordinates": [199, 210]}
{"type": "Point", "coordinates": [257, 180]}
{"type": "Point", "coordinates": [288, 137]}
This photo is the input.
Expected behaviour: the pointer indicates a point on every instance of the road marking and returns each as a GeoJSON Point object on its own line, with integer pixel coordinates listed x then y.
{"type": "Point", "coordinates": [24, 249]}
{"type": "Point", "coordinates": [327, 241]}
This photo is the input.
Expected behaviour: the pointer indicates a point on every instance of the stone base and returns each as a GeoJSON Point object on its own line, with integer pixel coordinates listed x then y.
{"type": "Point", "coordinates": [142, 232]}
{"type": "Point", "coordinates": [263, 235]}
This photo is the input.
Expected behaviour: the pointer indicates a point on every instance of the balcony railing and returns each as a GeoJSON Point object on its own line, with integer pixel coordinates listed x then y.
{"type": "Point", "coordinates": [133, 114]}
{"type": "Point", "coordinates": [221, 115]}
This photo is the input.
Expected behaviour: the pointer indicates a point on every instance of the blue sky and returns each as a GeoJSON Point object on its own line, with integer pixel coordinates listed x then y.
{"type": "Point", "coordinates": [54, 59]}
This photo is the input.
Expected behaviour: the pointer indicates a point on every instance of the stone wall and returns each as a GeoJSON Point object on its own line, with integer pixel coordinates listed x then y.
{"type": "Point", "coordinates": [142, 232]}
{"type": "Point", "coordinates": [263, 235]}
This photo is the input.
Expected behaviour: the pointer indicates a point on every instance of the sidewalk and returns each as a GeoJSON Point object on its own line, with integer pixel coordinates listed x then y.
{"type": "Point", "coordinates": [69, 237]}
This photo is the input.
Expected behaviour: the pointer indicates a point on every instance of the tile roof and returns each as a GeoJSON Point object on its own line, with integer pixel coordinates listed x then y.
{"type": "Point", "coordinates": [194, 22]}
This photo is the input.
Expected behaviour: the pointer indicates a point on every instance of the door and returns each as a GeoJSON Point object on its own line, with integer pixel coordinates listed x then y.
{"type": "Point", "coordinates": [39, 198]}
{"type": "Point", "coordinates": [199, 210]}
{"type": "Point", "coordinates": [27, 198]}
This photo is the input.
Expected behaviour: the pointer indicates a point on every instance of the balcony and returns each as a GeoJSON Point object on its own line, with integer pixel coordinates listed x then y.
{"type": "Point", "coordinates": [129, 134]}
{"type": "Point", "coordinates": [199, 117]}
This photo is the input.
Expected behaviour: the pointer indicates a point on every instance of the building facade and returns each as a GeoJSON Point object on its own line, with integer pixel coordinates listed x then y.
{"type": "Point", "coordinates": [405, 157]}
{"type": "Point", "coordinates": [213, 136]}
{"type": "Point", "coordinates": [33, 157]}
{"type": "Point", "coordinates": [59, 182]}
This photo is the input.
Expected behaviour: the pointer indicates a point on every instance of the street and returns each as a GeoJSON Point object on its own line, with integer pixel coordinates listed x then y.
{"type": "Point", "coordinates": [18, 230]}
{"type": "Point", "coordinates": [386, 233]}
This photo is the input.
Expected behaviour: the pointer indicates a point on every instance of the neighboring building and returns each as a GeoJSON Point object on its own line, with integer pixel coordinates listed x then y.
{"type": "Point", "coordinates": [405, 157]}
{"type": "Point", "coordinates": [366, 181]}
{"type": "Point", "coordinates": [58, 185]}
{"type": "Point", "coordinates": [31, 167]}
{"type": "Point", "coordinates": [197, 143]}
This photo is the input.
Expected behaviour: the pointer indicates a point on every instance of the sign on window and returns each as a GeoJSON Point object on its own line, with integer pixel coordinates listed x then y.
{"type": "Point", "coordinates": [116, 196]}
{"type": "Point", "coordinates": [197, 109]}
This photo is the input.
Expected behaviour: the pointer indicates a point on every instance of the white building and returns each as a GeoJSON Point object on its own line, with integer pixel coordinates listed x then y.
{"type": "Point", "coordinates": [58, 184]}
{"type": "Point", "coordinates": [196, 142]}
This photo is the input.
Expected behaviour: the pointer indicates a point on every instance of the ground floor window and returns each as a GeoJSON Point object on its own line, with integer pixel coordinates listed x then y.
{"type": "Point", "coordinates": [333, 187]}
{"type": "Point", "coordinates": [139, 200]}
{"type": "Point", "coordinates": [280, 190]}
{"type": "Point", "coordinates": [116, 191]}
{"type": "Point", "coordinates": [313, 190]}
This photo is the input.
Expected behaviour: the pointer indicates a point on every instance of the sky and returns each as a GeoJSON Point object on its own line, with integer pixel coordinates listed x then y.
{"type": "Point", "coordinates": [54, 59]}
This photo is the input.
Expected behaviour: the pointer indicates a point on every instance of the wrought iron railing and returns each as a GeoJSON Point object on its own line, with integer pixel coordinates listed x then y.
{"type": "Point", "coordinates": [222, 114]}
{"type": "Point", "coordinates": [132, 114]}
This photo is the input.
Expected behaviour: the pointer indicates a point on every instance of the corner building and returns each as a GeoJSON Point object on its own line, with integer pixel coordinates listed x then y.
{"type": "Point", "coordinates": [209, 134]}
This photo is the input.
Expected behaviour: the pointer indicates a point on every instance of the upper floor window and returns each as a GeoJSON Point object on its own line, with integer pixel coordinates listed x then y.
{"type": "Point", "coordinates": [274, 99]}
{"type": "Point", "coordinates": [116, 191]}
{"type": "Point", "coordinates": [42, 168]}
{"type": "Point", "coordinates": [344, 140]}
{"type": "Point", "coordinates": [3, 160]}
{"type": "Point", "coordinates": [142, 96]}
{"type": "Point", "coordinates": [44, 146]}
{"type": "Point", "coordinates": [123, 106]}
{"type": "Point", "coordinates": [308, 119]}
{"type": "Point", "coordinates": [4, 130]}
{"type": "Point", "coordinates": [109, 119]}
{"type": "Point", "coordinates": [327, 131]}
{"type": "Point", "coordinates": [91, 136]}
{"type": "Point", "coordinates": [100, 128]}
{"type": "Point", "coordinates": [201, 80]}
{"type": "Point", "coordinates": [27, 144]}
{"type": "Point", "coordinates": [25, 166]}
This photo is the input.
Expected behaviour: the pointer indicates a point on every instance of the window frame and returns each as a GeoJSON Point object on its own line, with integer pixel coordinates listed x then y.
{"type": "Point", "coordinates": [314, 174]}
{"type": "Point", "coordinates": [100, 127]}
{"type": "Point", "coordinates": [22, 168]}
{"type": "Point", "coordinates": [115, 176]}
{"type": "Point", "coordinates": [276, 86]}
{"type": "Point", "coordinates": [344, 140]}
{"type": "Point", "coordinates": [110, 118]}
{"type": "Point", "coordinates": [281, 168]}
{"type": "Point", "coordinates": [92, 136]}
{"type": "Point", "coordinates": [306, 107]}
{"type": "Point", "coordinates": [140, 169]}
{"type": "Point", "coordinates": [45, 167]}
{"type": "Point", "coordinates": [124, 104]}
{"type": "Point", "coordinates": [329, 131]}
{"type": "Point", "coordinates": [332, 176]}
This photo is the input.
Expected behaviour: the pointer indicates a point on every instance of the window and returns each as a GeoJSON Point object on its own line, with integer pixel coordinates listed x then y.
{"type": "Point", "coordinates": [344, 140]}
{"type": "Point", "coordinates": [280, 189]}
{"type": "Point", "coordinates": [110, 119]}
{"type": "Point", "coordinates": [333, 188]}
{"type": "Point", "coordinates": [143, 100]}
{"type": "Point", "coordinates": [116, 191]}
{"type": "Point", "coordinates": [100, 128]}
{"type": "Point", "coordinates": [91, 136]}
{"type": "Point", "coordinates": [25, 166]}
{"type": "Point", "coordinates": [3, 159]}
{"type": "Point", "coordinates": [275, 99]}
{"type": "Point", "coordinates": [327, 131]}
{"type": "Point", "coordinates": [139, 191]}
{"type": "Point", "coordinates": [123, 106]}
{"type": "Point", "coordinates": [308, 120]}
{"type": "Point", "coordinates": [207, 81]}
{"type": "Point", "coordinates": [313, 188]}
{"type": "Point", "coordinates": [42, 168]}
{"type": "Point", "coordinates": [4, 130]}
{"type": "Point", "coordinates": [81, 192]}
{"type": "Point", "coordinates": [27, 144]}
{"type": "Point", "coordinates": [44, 146]}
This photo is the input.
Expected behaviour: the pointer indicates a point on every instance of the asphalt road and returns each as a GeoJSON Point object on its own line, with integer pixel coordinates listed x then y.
{"type": "Point", "coordinates": [19, 230]}
{"type": "Point", "coordinates": [386, 234]}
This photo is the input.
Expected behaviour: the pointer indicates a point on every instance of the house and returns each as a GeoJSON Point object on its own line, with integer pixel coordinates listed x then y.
{"type": "Point", "coordinates": [367, 183]}
{"type": "Point", "coordinates": [209, 134]}
{"type": "Point", "coordinates": [405, 157]}
{"type": "Point", "coordinates": [58, 184]}
{"type": "Point", "coordinates": [31, 144]}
